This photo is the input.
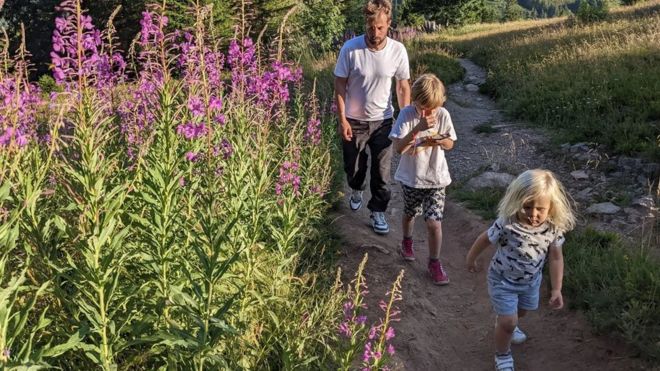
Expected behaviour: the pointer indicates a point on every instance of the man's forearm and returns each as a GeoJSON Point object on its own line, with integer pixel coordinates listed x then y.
{"type": "Point", "coordinates": [403, 93]}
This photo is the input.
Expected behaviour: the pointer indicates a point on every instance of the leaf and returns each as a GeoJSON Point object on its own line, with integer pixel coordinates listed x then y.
{"type": "Point", "coordinates": [75, 342]}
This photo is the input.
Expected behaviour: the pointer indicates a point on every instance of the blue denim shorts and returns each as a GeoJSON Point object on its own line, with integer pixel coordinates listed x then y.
{"type": "Point", "coordinates": [507, 297]}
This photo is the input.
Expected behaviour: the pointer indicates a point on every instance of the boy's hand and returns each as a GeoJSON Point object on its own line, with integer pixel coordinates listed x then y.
{"type": "Point", "coordinates": [427, 121]}
{"type": "Point", "coordinates": [556, 299]}
{"type": "Point", "coordinates": [472, 266]}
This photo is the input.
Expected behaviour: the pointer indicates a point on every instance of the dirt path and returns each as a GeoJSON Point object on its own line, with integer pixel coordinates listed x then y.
{"type": "Point", "coordinates": [451, 327]}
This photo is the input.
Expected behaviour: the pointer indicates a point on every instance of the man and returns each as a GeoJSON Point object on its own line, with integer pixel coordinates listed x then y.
{"type": "Point", "coordinates": [363, 86]}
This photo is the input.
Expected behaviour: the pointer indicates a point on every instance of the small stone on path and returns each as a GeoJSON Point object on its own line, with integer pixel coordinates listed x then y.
{"type": "Point", "coordinates": [603, 208]}
{"type": "Point", "coordinates": [580, 175]}
{"type": "Point", "coordinates": [471, 87]}
{"type": "Point", "coordinates": [380, 249]}
{"type": "Point", "coordinates": [490, 179]}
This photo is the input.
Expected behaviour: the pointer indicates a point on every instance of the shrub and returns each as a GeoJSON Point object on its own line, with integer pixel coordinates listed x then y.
{"type": "Point", "coordinates": [617, 286]}
{"type": "Point", "coordinates": [47, 84]}
{"type": "Point", "coordinates": [591, 11]}
{"type": "Point", "coordinates": [512, 11]}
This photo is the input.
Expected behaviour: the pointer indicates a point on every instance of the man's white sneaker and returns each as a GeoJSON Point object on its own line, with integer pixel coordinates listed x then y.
{"type": "Point", "coordinates": [379, 223]}
{"type": "Point", "coordinates": [355, 201]}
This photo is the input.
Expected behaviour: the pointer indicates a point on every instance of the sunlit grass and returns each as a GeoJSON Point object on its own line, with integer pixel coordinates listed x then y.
{"type": "Point", "coordinates": [595, 82]}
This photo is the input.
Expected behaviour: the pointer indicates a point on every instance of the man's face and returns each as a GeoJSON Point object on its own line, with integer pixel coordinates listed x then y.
{"type": "Point", "coordinates": [377, 30]}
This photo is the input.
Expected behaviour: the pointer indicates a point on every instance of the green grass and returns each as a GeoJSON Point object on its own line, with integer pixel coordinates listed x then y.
{"type": "Point", "coordinates": [617, 286]}
{"type": "Point", "coordinates": [428, 57]}
{"type": "Point", "coordinates": [485, 128]}
{"type": "Point", "coordinates": [483, 201]}
{"type": "Point", "coordinates": [596, 82]}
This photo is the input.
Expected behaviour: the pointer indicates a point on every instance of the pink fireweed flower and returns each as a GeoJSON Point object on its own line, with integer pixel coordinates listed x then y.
{"type": "Point", "coordinates": [19, 104]}
{"type": "Point", "coordinates": [367, 354]}
{"type": "Point", "coordinates": [227, 149]}
{"type": "Point", "coordinates": [192, 156]}
{"type": "Point", "coordinates": [195, 106]}
{"type": "Point", "coordinates": [77, 55]}
{"type": "Point", "coordinates": [345, 329]}
{"type": "Point", "coordinates": [191, 130]}
{"type": "Point", "coordinates": [313, 133]}
{"type": "Point", "coordinates": [215, 103]}
{"type": "Point", "coordinates": [242, 61]}
{"type": "Point", "coordinates": [373, 331]}
{"type": "Point", "coordinates": [389, 334]}
{"type": "Point", "coordinates": [288, 178]}
{"type": "Point", "coordinates": [390, 349]}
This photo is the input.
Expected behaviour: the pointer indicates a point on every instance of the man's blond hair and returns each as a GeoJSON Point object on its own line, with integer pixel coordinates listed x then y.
{"type": "Point", "coordinates": [373, 8]}
{"type": "Point", "coordinates": [428, 91]}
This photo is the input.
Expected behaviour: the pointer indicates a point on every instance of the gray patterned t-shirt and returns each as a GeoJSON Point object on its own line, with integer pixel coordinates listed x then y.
{"type": "Point", "coordinates": [521, 249]}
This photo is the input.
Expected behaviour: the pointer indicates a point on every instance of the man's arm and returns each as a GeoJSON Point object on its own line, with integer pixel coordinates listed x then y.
{"type": "Point", "coordinates": [403, 92]}
{"type": "Point", "coordinates": [343, 128]}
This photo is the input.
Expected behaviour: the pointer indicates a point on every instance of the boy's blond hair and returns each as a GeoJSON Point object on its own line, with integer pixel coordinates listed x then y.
{"type": "Point", "coordinates": [373, 8]}
{"type": "Point", "coordinates": [428, 91]}
{"type": "Point", "coordinates": [535, 183]}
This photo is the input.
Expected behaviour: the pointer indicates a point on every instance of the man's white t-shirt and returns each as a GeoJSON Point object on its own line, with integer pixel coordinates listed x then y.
{"type": "Point", "coordinates": [369, 73]}
{"type": "Point", "coordinates": [423, 167]}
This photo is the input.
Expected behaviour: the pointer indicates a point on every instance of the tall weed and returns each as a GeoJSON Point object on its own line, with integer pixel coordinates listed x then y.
{"type": "Point", "coordinates": [617, 286]}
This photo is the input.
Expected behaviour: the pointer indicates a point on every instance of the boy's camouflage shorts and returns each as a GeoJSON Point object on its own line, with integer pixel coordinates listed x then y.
{"type": "Point", "coordinates": [430, 201]}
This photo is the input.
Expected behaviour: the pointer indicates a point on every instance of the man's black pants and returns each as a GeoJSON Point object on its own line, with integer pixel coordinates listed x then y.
{"type": "Point", "coordinates": [372, 134]}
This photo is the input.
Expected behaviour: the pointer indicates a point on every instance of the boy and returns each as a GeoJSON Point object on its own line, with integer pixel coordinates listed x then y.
{"type": "Point", "coordinates": [422, 133]}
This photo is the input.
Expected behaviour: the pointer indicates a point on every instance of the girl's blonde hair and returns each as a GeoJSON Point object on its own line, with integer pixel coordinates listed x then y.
{"type": "Point", "coordinates": [428, 91]}
{"type": "Point", "coordinates": [535, 183]}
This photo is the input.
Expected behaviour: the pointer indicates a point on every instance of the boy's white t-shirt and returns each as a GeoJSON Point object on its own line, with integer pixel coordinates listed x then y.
{"type": "Point", "coordinates": [369, 73]}
{"type": "Point", "coordinates": [425, 167]}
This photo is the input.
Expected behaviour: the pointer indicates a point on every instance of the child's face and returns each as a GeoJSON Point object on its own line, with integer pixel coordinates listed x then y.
{"type": "Point", "coordinates": [535, 211]}
{"type": "Point", "coordinates": [426, 111]}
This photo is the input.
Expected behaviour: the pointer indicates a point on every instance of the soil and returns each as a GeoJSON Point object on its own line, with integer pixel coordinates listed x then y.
{"type": "Point", "coordinates": [451, 327]}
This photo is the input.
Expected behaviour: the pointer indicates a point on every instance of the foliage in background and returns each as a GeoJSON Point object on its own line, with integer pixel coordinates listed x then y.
{"type": "Point", "coordinates": [320, 23]}
{"type": "Point", "coordinates": [592, 11]}
{"type": "Point", "coordinates": [617, 286]}
{"type": "Point", "coordinates": [596, 82]}
{"type": "Point", "coordinates": [427, 56]}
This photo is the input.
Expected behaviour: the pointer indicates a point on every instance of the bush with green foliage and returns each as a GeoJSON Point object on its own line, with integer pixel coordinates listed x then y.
{"type": "Point", "coordinates": [320, 22]}
{"type": "Point", "coordinates": [512, 11]}
{"type": "Point", "coordinates": [592, 11]}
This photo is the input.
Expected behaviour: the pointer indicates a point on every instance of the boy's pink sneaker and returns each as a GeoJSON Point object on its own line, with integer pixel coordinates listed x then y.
{"type": "Point", "coordinates": [407, 251]}
{"type": "Point", "coordinates": [438, 275]}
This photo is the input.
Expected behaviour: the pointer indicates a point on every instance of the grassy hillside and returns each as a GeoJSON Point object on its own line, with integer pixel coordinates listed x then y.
{"type": "Point", "coordinates": [596, 82]}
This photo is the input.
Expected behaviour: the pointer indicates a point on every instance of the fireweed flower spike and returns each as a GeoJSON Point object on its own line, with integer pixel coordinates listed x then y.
{"type": "Point", "coordinates": [288, 178]}
{"type": "Point", "coordinates": [19, 103]}
{"type": "Point", "coordinates": [77, 56]}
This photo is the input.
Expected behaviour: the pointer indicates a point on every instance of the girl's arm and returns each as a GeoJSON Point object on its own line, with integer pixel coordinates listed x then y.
{"type": "Point", "coordinates": [556, 276]}
{"type": "Point", "coordinates": [479, 245]}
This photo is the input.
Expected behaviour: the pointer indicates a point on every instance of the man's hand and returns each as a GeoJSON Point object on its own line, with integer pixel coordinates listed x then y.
{"type": "Point", "coordinates": [556, 299]}
{"type": "Point", "coordinates": [345, 131]}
